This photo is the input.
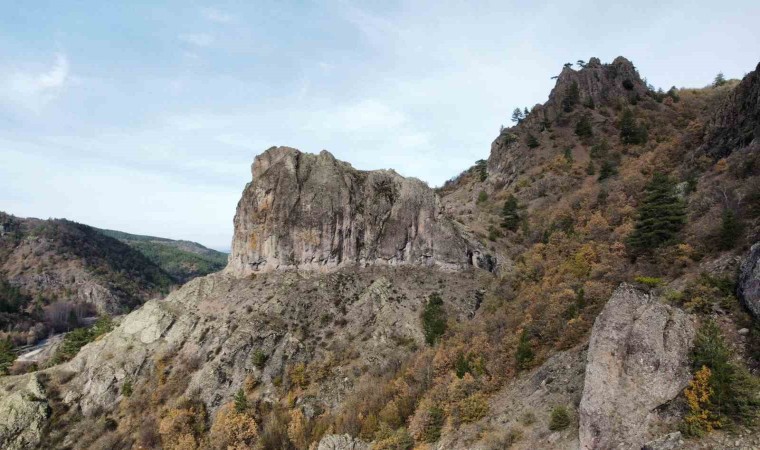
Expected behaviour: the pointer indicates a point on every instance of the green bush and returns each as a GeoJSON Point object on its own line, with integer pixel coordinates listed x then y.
{"type": "Point", "coordinates": [482, 196]}
{"type": "Point", "coordinates": [532, 142]}
{"type": "Point", "coordinates": [126, 388]}
{"type": "Point", "coordinates": [509, 214]}
{"type": "Point", "coordinates": [78, 338]}
{"type": "Point", "coordinates": [524, 353]}
{"type": "Point", "coordinates": [651, 282]}
{"type": "Point", "coordinates": [560, 418]}
{"type": "Point", "coordinates": [632, 132]}
{"type": "Point", "coordinates": [730, 230]}
{"type": "Point", "coordinates": [583, 128]}
{"type": "Point", "coordinates": [259, 359]}
{"type": "Point", "coordinates": [7, 356]}
{"type": "Point", "coordinates": [433, 319]}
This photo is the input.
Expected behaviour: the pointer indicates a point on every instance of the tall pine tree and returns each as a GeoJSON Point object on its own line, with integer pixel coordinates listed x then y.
{"type": "Point", "coordinates": [509, 213]}
{"type": "Point", "coordinates": [661, 215]}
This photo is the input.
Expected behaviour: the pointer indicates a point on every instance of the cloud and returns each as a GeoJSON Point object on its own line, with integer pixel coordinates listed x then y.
{"type": "Point", "coordinates": [214, 15]}
{"type": "Point", "coordinates": [197, 39]}
{"type": "Point", "coordinates": [33, 91]}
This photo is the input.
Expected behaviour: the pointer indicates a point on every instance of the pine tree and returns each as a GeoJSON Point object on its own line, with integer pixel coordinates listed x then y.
{"type": "Point", "coordinates": [572, 97]}
{"type": "Point", "coordinates": [730, 229]}
{"type": "Point", "coordinates": [630, 131]}
{"type": "Point", "coordinates": [583, 128]}
{"type": "Point", "coordinates": [661, 216]}
{"type": "Point", "coordinates": [241, 401]}
{"type": "Point", "coordinates": [517, 115]}
{"type": "Point", "coordinates": [509, 214]}
{"type": "Point", "coordinates": [719, 80]}
{"type": "Point", "coordinates": [433, 319]}
{"type": "Point", "coordinates": [524, 353]}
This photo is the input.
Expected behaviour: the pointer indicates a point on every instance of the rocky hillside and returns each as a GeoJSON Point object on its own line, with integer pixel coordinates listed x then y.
{"type": "Point", "coordinates": [183, 260]}
{"type": "Point", "coordinates": [54, 273]}
{"type": "Point", "coordinates": [591, 286]}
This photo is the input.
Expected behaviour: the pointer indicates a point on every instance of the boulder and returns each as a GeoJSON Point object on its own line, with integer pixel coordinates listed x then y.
{"type": "Point", "coordinates": [748, 288]}
{"type": "Point", "coordinates": [638, 359]}
{"type": "Point", "coordinates": [314, 212]}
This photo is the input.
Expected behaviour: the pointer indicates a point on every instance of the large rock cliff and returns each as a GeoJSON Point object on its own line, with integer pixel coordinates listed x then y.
{"type": "Point", "coordinates": [314, 212]}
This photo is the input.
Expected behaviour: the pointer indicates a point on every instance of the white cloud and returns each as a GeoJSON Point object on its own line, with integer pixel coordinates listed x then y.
{"type": "Point", "coordinates": [33, 91]}
{"type": "Point", "coordinates": [197, 39]}
{"type": "Point", "coordinates": [214, 15]}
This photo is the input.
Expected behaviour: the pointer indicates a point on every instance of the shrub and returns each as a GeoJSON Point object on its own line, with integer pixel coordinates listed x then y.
{"type": "Point", "coordinates": [472, 408]}
{"type": "Point", "coordinates": [482, 196]}
{"type": "Point", "coordinates": [700, 418]}
{"type": "Point", "coordinates": [387, 439]}
{"type": "Point", "coordinates": [532, 142]}
{"type": "Point", "coordinates": [650, 282]}
{"type": "Point", "coordinates": [259, 359]}
{"type": "Point", "coordinates": [7, 356]}
{"type": "Point", "coordinates": [433, 319]}
{"type": "Point", "coordinates": [630, 131]}
{"type": "Point", "coordinates": [126, 388]}
{"type": "Point", "coordinates": [607, 170]}
{"type": "Point", "coordinates": [524, 353]}
{"type": "Point", "coordinates": [428, 424]}
{"type": "Point", "coordinates": [181, 428]}
{"type": "Point", "coordinates": [233, 430]}
{"type": "Point", "coordinates": [241, 401]}
{"type": "Point", "coordinates": [560, 418]}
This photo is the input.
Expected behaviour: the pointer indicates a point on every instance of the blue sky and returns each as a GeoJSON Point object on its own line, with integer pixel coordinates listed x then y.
{"type": "Point", "coordinates": [146, 116]}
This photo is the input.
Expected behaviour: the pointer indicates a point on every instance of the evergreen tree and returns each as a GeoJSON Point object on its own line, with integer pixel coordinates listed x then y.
{"type": "Point", "coordinates": [730, 229]}
{"type": "Point", "coordinates": [511, 218]}
{"type": "Point", "coordinates": [720, 80]}
{"type": "Point", "coordinates": [590, 168]}
{"type": "Point", "coordinates": [517, 115]}
{"type": "Point", "coordinates": [607, 170]}
{"type": "Point", "coordinates": [581, 63]}
{"type": "Point", "coordinates": [241, 401]}
{"type": "Point", "coordinates": [572, 97]}
{"type": "Point", "coordinates": [661, 216]}
{"type": "Point", "coordinates": [7, 357]}
{"type": "Point", "coordinates": [524, 353]}
{"type": "Point", "coordinates": [630, 131]}
{"type": "Point", "coordinates": [583, 128]}
{"type": "Point", "coordinates": [526, 112]}
{"type": "Point", "coordinates": [532, 142]}
{"type": "Point", "coordinates": [433, 319]}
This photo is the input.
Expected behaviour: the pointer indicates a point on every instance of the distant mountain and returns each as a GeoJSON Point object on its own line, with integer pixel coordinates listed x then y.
{"type": "Point", "coordinates": [183, 260]}
{"type": "Point", "coordinates": [55, 272]}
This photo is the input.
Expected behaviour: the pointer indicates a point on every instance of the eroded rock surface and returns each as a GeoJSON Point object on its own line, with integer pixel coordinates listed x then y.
{"type": "Point", "coordinates": [314, 212]}
{"type": "Point", "coordinates": [638, 359]}
{"type": "Point", "coordinates": [749, 281]}
{"type": "Point", "coordinates": [341, 442]}
{"type": "Point", "coordinates": [24, 411]}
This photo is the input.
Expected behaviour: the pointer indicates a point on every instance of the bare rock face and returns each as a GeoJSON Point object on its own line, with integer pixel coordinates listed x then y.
{"type": "Point", "coordinates": [596, 84]}
{"type": "Point", "coordinates": [749, 281]}
{"type": "Point", "coordinates": [24, 412]}
{"type": "Point", "coordinates": [314, 212]}
{"type": "Point", "coordinates": [341, 442]}
{"type": "Point", "coordinates": [736, 123]}
{"type": "Point", "coordinates": [638, 359]}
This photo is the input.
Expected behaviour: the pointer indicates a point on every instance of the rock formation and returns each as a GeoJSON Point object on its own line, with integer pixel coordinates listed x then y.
{"type": "Point", "coordinates": [638, 359]}
{"type": "Point", "coordinates": [748, 289]}
{"type": "Point", "coordinates": [24, 412]}
{"type": "Point", "coordinates": [736, 123]}
{"type": "Point", "coordinates": [341, 442]}
{"type": "Point", "coordinates": [314, 212]}
{"type": "Point", "coordinates": [594, 84]}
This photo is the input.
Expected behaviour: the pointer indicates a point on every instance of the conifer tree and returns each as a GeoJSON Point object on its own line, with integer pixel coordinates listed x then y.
{"type": "Point", "coordinates": [532, 141]}
{"type": "Point", "coordinates": [729, 230]}
{"type": "Point", "coordinates": [583, 128]}
{"type": "Point", "coordinates": [630, 131]}
{"type": "Point", "coordinates": [720, 80]}
{"type": "Point", "coordinates": [241, 401]}
{"type": "Point", "coordinates": [517, 115]}
{"type": "Point", "coordinates": [661, 215]}
{"type": "Point", "coordinates": [509, 214]}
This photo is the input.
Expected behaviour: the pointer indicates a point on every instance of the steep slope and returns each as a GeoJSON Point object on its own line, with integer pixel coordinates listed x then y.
{"type": "Point", "coordinates": [57, 270]}
{"type": "Point", "coordinates": [183, 260]}
{"type": "Point", "coordinates": [355, 311]}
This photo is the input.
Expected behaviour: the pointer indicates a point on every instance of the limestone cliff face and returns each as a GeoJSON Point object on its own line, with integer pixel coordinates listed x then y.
{"type": "Point", "coordinates": [314, 212]}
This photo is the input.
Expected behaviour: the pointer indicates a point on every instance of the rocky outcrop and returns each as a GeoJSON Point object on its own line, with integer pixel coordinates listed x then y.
{"type": "Point", "coordinates": [638, 359]}
{"type": "Point", "coordinates": [736, 123]}
{"type": "Point", "coordinates": [24, 411]}
{"type": "Point", "coordinates": [314, 212]}
{"type": "Point", "coordinates": [594, 84]}
{"type": "Point", "coordinates": [341, 442]}
{"type": "Point", "coordinates": [748, 288]}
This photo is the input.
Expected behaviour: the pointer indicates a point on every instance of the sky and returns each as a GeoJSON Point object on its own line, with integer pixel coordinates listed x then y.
{"type": "Point", "coordinates": [145, 116]}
